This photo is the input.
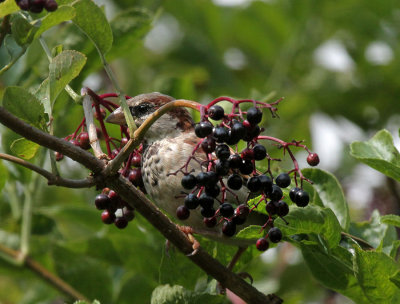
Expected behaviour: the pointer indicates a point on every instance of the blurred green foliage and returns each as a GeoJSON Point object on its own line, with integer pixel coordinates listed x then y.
{"type": "Point", "coordinates": [195, 50]}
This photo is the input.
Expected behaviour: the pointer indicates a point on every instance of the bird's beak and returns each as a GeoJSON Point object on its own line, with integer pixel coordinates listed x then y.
{"type": "Point", "coordinates": [117, 117]}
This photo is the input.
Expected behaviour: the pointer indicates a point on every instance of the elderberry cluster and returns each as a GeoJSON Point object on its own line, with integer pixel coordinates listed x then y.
{"type": "Point", "coordinates": [37, 6]}
{"type": "Point", "coordinates": [115, 210]}
{"type": "Point", "coordinates": [227, 171]}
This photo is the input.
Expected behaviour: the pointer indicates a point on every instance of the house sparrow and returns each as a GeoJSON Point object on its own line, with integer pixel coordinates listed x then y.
{"type": "Point", "coordinates": [167, 146]}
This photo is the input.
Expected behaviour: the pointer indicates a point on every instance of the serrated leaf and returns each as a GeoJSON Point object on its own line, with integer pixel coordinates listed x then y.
{"type": "Point", "coordinates": [394, 249]}
{"type": "Point", "coordinates": [374, 232]}
{"type": "Point", "coordinates": [23, 31]}
{"type": "Point", "coordinates": [25, 106]}
{"type": "Point", "coordinates": [311, 219]}
{"type": "Point", "coordinates": [373, 271]}
{"type": "Point", "coordinates": [3, 175]}
{"type": "Point", "coordinates": [166, 294]}
{"type": "Point", "coordinates": [92, 21]}
{"type": "Point", "coordinates": [24, 148]}
{"type": "Point", "coordinates": [391, 219]}
{"type": "Point", "coordinates": [43, 95]}
{"type": "Point", "coordinates": [250, 232]}
{"type": "Point", "coordinates": [63, 68]}
{"type": "Point", "coordinates": [379, 153]}
{"type": "Point", "coordinates": [128, 28]}
{"type": "Point", "coordinates": [63, 13]}
{"type": "Point", "coordinates": [8, 7]}
{"type": "Point", "coordinates": [331, 194]}
{"type": "Point", "coordinates": [334, 270]}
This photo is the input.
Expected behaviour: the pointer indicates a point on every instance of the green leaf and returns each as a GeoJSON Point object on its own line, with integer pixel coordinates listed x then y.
{"type": "Point", "coordinates": [43, 95]}
{"type": "Point", "coordinates": [379, 153]}
{"type": "Point", "coordinates": [394, 250]}
{"type": "Point", "coordinates": [331, 194]}
{"type": "Point", "coordinates": [63, 13]}
{"type": "Point", "coordinates": [25, 106]}
{"type": "Point", "coordinates": [166, 294]}
{"type": "Point", "coordinates": [23, 31]}
{"type": "Point", "coordinates": [92, 21]}
{"type": "Point", "coordinates": [311, 220]}
{"type": "Point", "coordinates": [128, 28]}
{"type": "Point", "coordinates": [374, 232]}
{"type": "Point", "coordinates": [334, 270]}
{"type": "Point", "coordinates": [63, 68]}
{"type": "Point", "coordinates": [374, 271]}
{"type": "Point", "coordinates": [3, 175]}
{"type": "Point", "coordinates": [396, 279]}
{"type": "Point", "coordinates": [391, 219]}
{"type": "Point", "coordinates": [8, 7]}
{"type": "Point", "coordinates": [250, 232]}
{"type": "Point", "coordinates": [24, 148]}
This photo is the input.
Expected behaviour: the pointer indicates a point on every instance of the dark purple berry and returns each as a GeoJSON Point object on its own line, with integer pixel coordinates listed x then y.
{"type": "Point", "coordinates": [235, 182]}
{"type": "Point", "coordinates": [283, 180]}
{"type": "Point", "coordinates": [206, 201]}
{"type": "Point", "coordinates": [216, 112]}
{"type": "Point", "coordinates": [232, 139]}
{"type": "Point", "coordinates": [210, 221]}
{"type": "Point", "coordinates": [212, 179]}
{"type": "Point", "coordinates": [313, 159]}
{"type": "Point", "coordinates": [259, 152]}
{"type": "Point", "coordinates": [220, 134]}
{"type": "Point", "coordinates": [302, 198]}
{"type": "Point", "coordinates": [212, 191]}
{"type": "Point", "coordinates": [136, 160]}
{"type": "Point", "coordinates": [135, 177]}
{"type": "Point", "coordinates": [182, 212]}
{"type": "Point", "coordinates": [223, 152]}
{"type": "Point", "coordinates": [124, 141]}
{"type": "Point", "coordinates": [292, 194]}
{"type": "Point", "coordinates": [271, 208]}
{"type": "Point", "coordinates": [266, 183]}
{"type": "Point", "coordinates": [203, 129]}
{"type": "Point", "coordinates": [238, 220]}
{"type": "Point", "coordinates": [276, 193]}
{"type": "Point", "coordinates": [102, 201]}
{"type": "Point", "coordinates": [23, 4]}
{"type": "Point", "coordinates": [235, 161]}
{"type": "Point", "coordinates": [202, 178]}
{"type": "Point", "coordinates": [226, 210]}
{"type": "Point", "coordinates": [207, 212]}
{"type": "Point", "coordinates": [275, 235]}
{"type": "Point", "coordinates": [252, 133]}
{"type": "Point", "coordinates": [36, 6]}
{"type": "Point", "coordinates": [242, 211]}
{"type": "Point", "coordinates": [222, 167]}
{"type": "Point", "coordinates": [51, 5]}
{"type": "Point", "coordinates": [107, 217]}
{"type": "Point", "coordinates": [191, 201]}
{"type": "Point", "coordinates": [229, 228]}
{"type": "Point", "coordinates": [262, 244]}
{"type": "Point", "coordinates": [129, 214]}
{"type": "Point", "coordinates": [208, 145]}
{"type": "Point", "coordinates": [189, 181]}
{"type": "Point", "coordinates": [84, 141]}
{"type": "Point", "coordinates": [121, 222]}
{"type": "Point", "coordinates": [246, 167]}
{"type": "Point", "coordinates": [283, 208]}
{"type": "Point", "coordinates": [254, 184]}
{"type": "Point", "coordinates": [238, 131]}
{"type": "Point", "coordinates": [254, 116]}
{"type": "Point", "coordinates": [247, 154]}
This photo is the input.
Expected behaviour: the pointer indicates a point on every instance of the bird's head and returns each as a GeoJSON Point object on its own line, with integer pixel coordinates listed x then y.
{"type": "Point", "coordinates": [171, 124]}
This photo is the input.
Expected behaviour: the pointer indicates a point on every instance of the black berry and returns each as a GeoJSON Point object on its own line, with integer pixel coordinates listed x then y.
{"type": "Point", "coordinates": [189, 181]}
{"type": "Point", "coordinates": [238, 131]}
{"type": "Point", "coordinates": [216, 112]}
{"type": "Point", "coordinates": [254, 115]}
{"type": "Point", "coordinates": [210, 221]}
{"type": "Point", "coordinates": [302, 198]}
{"type": "Point", "coordinates": [247, 154]}
{"type": "Point", "coordinates": [136, 160]}
{"type": "Point", "coordinates": [222, 167]}
{"type": "Point", "coordinates": [83, 140]}
{"type": "Point", "coordinates": [191, 201]}
{"type": "Point", "coordinates": [207, 212]}
{"type": "Point", "coordinates": [283, 208]}
{"type": "Point", "coordinates": [266, 183]}
{"type": "Point", "coordinates": [246, 167]}
{"type": "Point", "coordinates": [226, 210]}
{"type": "Point", "coordinates": [206, 201]}
{"type": "Point", "coordinates": [276, 193]}
{"type": "Point", "coordinates": [51, 5]}
{"type": "Point", "coordinates": [254, 184]}
{"type": "Point", "coordinates": [208, 145]}
{"type": "Point", "coordinates": [212, 191]}
{"type": "Point", "coordinates": [102, 201]}
{"type": "Point", "coordinates": [259, 152]}
{"type": "Point", "coordinates": [271, 208]}
{"type": "Point", "coordinates": [275, 235]}
{"type": "Point", "coordinates": [292, 194]}
{"type": "Point", "coordinates": [121, 222]}
{"type": "Point", "coordinates": [202, 178]}
{"type": "Point", "coordinates": [221, 134]}
{"type": "Point", "coordinates": [203, 129]}
{"type": "Point", "coordinates": [222, 152]}
{"type": "Point", "coordinates": [235, 182]}
{"type": "Point", "coordinates": [283, 180]}
{"type": "Point", "coordinates": [235, 161]}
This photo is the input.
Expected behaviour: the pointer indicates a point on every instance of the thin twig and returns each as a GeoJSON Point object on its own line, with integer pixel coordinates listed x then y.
{"type": "Point", "coordinates": [51, 178]}
{"type": "Point", "coordinates": [38, 269]}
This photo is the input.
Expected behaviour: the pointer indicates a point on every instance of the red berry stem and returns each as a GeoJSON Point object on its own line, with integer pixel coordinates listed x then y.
{"type": "Point", "coordinates": [78, 128]}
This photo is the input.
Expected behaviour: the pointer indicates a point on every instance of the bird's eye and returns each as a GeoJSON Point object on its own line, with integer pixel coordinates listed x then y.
{"type": "Point", "coordinates": [140, 110]}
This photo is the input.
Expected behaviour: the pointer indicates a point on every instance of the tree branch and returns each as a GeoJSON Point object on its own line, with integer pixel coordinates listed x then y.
{"type": "Point", "coordinates": [138, 200]}
{"type": "Point", "coordinates": [51, 178]}
{"type": "Point", "coordinates": [49, 277]}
